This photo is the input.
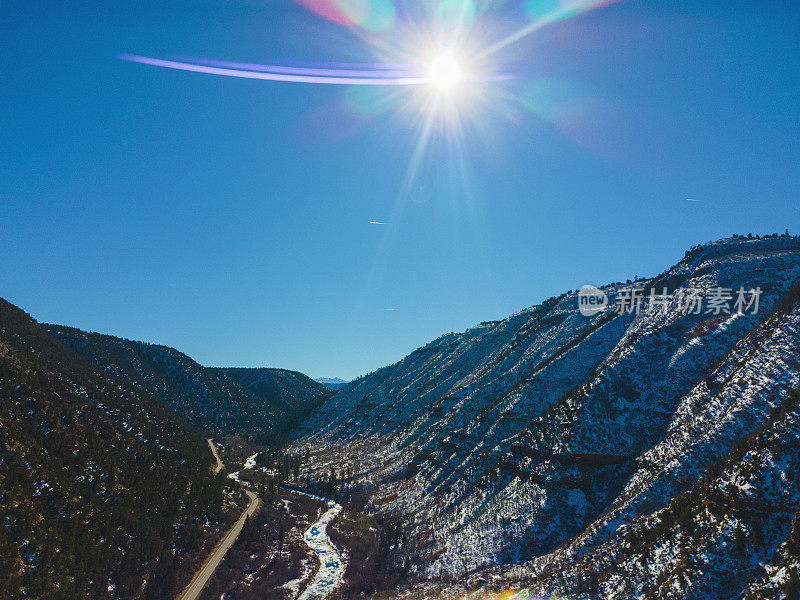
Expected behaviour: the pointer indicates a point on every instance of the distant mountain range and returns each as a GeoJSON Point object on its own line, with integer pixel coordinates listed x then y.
{"type": "Point", "coordinates": [620, 455]}
{"type": "Point", "coordinates": [333, 383]}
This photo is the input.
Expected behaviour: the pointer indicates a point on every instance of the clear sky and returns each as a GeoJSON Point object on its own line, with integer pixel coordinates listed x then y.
{"type": "Point", "coordinates": [231, 217]}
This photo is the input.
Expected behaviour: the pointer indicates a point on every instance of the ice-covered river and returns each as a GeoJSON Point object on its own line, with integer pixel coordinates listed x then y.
{"type": "Point", "coordinates": [331, 568]}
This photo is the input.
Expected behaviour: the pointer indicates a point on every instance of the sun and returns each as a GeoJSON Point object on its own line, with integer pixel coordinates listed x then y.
{"type": "Point", "coordinates": [445, 71]}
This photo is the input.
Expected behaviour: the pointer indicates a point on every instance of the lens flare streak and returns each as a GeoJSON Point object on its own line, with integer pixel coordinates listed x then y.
{"type": "Point", "coordinates": [543, 13]}
{"type": "Point", "coordinates": [368, 70]}
{"type": "Point", "coordinates": [290, 74]}
{"type": "Point", "coordinates": [329, 76]}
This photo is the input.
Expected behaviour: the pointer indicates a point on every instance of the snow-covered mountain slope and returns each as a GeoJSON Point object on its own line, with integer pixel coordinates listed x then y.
{"type": "Point", "coordinates": [568, 445]}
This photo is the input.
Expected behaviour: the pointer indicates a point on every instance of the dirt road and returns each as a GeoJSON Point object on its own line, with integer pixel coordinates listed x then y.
{"type": "Point", "coordinates": [203, 576]}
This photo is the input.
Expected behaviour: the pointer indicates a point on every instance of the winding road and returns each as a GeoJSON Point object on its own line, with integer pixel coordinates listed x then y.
{"type": "Point", "coordinates": [219, 466]}
{"type": "Point", "coordinates": [203, 576]}
{"type": "Point", "coordinates": [331, 567]}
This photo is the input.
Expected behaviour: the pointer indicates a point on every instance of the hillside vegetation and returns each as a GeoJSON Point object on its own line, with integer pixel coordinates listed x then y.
{"type": "Point", "coordinates": [262, 403]}
{"type": "Point", "coordinates": [103, 491]}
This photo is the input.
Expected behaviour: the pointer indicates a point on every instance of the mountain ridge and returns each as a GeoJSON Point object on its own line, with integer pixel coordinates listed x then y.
{"type": "Point", "coordinates": [505, 442]}
{"type": "Point", "coordinates": [259, 402]}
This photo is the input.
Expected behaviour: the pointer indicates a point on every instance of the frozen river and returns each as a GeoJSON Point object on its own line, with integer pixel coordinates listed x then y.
{"type": "Point", "coordinates": [331, 567]}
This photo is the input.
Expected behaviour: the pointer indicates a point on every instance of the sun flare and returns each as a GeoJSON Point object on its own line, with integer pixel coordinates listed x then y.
{"type": "Point", "coordinates": [445, 71]}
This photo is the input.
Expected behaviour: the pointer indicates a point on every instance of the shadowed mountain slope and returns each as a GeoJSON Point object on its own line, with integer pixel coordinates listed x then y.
{"type": "Point", "coordinates": [103, 490]}
{"type": "Point", "coordinates": [263, 403]}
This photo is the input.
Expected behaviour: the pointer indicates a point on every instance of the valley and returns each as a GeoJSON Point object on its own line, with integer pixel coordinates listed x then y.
{"type": "Point", "coordinates": [400, 300]}
{"type": "Point", "coordinates": [616, 455]}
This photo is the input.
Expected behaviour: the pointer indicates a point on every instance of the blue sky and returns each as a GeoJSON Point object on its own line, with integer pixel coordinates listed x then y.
{"type": "Point", "coordinates": [230, 218]}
